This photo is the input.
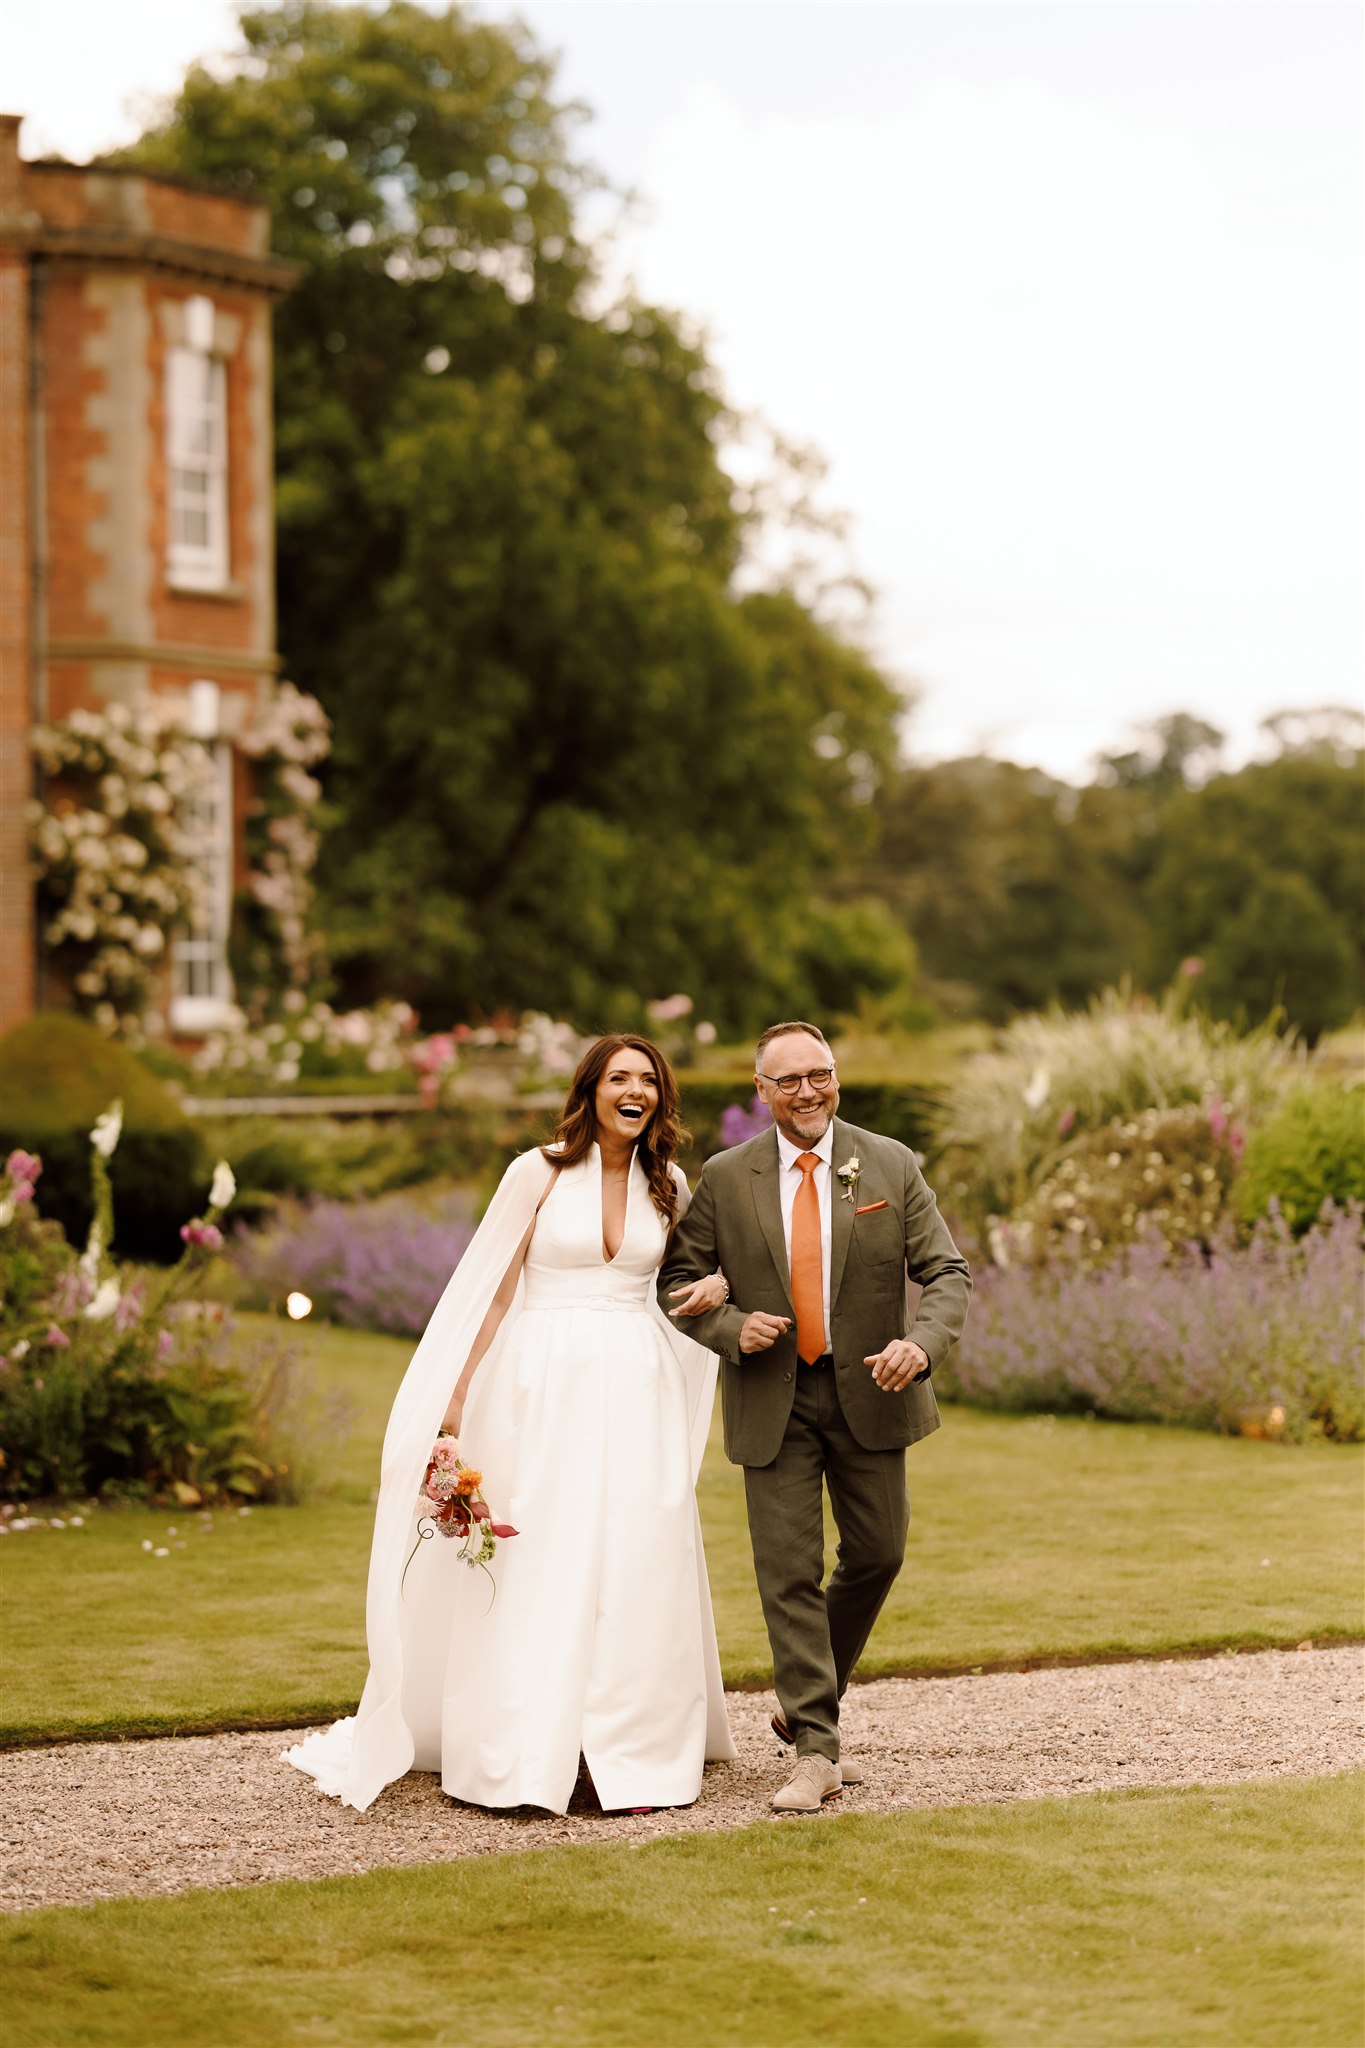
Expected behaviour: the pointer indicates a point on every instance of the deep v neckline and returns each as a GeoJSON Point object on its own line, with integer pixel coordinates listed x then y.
{"type": "Point", "coordinates": [610, 1260]}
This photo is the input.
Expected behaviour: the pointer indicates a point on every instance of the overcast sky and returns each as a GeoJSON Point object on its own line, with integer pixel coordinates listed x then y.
{"type": "Point", "coordinates": [1071, 296]}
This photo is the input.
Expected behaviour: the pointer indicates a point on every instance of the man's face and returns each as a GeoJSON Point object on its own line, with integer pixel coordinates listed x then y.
{"type": "Point", "coordinates": [806, 1113]}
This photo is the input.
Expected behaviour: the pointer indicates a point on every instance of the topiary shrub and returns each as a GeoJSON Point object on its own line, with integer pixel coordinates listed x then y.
{"type": "Point", "coordinates": [1310, 1151]}
{"type": "Point", "coordinates": [57, 1074]}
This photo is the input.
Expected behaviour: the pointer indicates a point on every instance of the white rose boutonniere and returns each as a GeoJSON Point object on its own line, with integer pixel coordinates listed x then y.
{"type": "Point", "coordinates": [848, 1177]}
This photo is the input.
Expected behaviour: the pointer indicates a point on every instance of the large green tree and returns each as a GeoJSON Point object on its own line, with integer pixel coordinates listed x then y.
{"type": "Point", "coordinates": [572, 766]}
{"type": "Point", "coordinates": [1261, 875]}
{"type": "Point", "coordinates": [1019, 889]}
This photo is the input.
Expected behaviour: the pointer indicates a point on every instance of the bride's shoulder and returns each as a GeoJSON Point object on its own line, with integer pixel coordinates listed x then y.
{"type": "Point", "coordinates": [528, 1166]}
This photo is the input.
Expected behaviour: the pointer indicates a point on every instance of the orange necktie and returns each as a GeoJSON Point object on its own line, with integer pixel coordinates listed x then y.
{"type": "Point", "coordinates": [808, 1282]}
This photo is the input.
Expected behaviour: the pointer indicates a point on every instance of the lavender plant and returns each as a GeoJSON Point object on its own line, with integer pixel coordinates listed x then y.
{"type": "Point", "coordinates": [1262, 1338]}
{"type": "Point", "coordinates": [377, 1265]}
{"type": "Point", "coordinates": [738, 1123]}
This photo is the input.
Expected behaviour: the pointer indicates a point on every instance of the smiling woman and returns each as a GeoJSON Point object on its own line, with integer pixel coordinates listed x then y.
{"type": "Point", "coordinates": [586, 1412]}
{"type": "Point", "coordinates": [624, 1096]}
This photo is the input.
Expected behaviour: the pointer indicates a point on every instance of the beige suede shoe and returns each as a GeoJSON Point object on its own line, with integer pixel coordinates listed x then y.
{"type": "Point", "coordinates": [814, 1780]}
{"type": "Point", "coordinates": [850, 1773]}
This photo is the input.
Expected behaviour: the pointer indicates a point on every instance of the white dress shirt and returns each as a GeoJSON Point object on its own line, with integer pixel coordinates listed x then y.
{"type": "Point", "coordinates": [789, 1180]}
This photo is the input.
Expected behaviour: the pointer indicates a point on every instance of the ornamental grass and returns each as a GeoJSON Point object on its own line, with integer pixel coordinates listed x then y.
{"type": "Point", "coordinates": [1006, 1119]}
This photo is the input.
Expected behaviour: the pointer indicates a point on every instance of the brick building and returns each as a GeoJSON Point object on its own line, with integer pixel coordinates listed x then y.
{"type": "Point", "coordinates": [136, 521]}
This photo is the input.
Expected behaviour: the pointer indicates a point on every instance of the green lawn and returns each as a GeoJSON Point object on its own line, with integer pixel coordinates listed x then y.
{"type": "Point", "coordinates": [1172, 1919]}
{"type": "Point", "coordinates": [1029, 1539]}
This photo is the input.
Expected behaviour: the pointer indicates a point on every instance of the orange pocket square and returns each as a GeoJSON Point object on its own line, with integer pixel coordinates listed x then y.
{"type": "Point", "coordinates": [868, 1207]}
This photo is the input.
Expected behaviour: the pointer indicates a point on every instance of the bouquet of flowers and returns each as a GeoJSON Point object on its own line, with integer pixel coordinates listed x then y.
{"type": "Point", "coordinates": [451, 1504]}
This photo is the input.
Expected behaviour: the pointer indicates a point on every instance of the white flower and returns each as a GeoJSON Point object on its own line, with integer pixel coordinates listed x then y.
{"type": "Point", "coordinates": [90, 1257]}
{"type": "Point", "coordinates": [224, 1186]}
{"type": "Point", "coordinates": [105, 1135]}
{"type": "Point", "coordinates": [6, 1212]}
{"type": "Point", "coordinates": [1039, 1087]}
{"type": "Point", "coordinates": [105, 1302]}
{"type": "Point", "coordinates": [19, 1350]}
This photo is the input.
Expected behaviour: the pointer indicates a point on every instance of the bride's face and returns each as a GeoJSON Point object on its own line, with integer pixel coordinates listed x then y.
{"type": "Point", "coordinates": [627, 1096]}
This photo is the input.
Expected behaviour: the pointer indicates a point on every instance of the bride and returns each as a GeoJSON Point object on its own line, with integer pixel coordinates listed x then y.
{"type": "Point", "coordinates": [587, 1414]}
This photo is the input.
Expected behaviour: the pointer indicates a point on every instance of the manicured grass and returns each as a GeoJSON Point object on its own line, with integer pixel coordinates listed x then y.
{"type": "Point", "coordinates": [1029, 1539]}
{"type": "Point", "coordinates": [1135, 1920]}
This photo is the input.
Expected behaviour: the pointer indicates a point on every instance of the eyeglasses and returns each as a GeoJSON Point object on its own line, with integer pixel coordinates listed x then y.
{"type": "Point", "coordinates": [787, 1084]}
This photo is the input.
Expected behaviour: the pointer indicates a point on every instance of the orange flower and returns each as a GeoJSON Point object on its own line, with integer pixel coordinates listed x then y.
{"type": "Point", "coordinates": [469, 1481]}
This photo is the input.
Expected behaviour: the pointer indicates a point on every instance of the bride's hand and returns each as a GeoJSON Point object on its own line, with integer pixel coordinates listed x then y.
{"type": "Point", "coordinates": [700, 1295]}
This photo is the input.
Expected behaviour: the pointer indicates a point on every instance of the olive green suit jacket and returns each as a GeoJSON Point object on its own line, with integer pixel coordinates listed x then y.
{"type": "Point", "coordinates": [892, 1227]}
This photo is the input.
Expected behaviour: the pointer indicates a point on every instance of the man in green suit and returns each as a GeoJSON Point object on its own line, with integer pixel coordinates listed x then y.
{"type": "Point", "coordinates": [824, 1382]}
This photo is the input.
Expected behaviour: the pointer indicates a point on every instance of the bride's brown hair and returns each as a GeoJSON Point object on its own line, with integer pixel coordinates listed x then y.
{"type": "Point", "coordinates": [661, 1136]}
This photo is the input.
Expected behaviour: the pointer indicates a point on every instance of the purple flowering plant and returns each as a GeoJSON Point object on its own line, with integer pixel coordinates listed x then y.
{"type": "Point", "coordinates": [738, 1124]}
{"type": "Point", "coordinates": [378, 1265]}
{"type": "Point", "coordinates": [1263, 1337]}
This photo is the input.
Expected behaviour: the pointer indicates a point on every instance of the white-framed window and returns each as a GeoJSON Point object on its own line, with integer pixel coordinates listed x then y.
{"type": "Point", "coordinates": [196, 456]}
{"type": "Point", "coordinates": [201, 988]}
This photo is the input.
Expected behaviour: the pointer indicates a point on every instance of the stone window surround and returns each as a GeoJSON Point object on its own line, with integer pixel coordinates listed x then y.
{"type": "Point", "coordinates": [175, 320]}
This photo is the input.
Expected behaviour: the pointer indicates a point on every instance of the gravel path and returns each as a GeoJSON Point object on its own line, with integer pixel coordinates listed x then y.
{"type": "Point", "coordinates": [105, 1820]}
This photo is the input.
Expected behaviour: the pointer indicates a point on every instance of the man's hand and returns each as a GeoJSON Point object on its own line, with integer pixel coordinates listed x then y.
{"type": "Point", "coordinates": [761, 1332]}
{"type": "Point", "coordinates": [898, 1365]}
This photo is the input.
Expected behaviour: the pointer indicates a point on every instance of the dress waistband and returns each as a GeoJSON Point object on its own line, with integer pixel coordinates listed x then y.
{"type": "Point", "coordinates": [614, 1303]}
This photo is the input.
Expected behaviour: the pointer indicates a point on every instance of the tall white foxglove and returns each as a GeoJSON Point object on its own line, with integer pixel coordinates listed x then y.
{"type": "Point", "coordinates": [105, 1135]}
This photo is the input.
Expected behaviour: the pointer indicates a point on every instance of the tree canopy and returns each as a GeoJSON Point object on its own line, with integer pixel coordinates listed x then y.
{"type": "Point", "coordinates": [1023, 891]}
{"type": "Point", "coordinates": [573, 766]}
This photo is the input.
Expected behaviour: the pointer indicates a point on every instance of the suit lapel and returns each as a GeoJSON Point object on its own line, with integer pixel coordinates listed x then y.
{"type": "Point", "coordinates": [768, 1204]}
{"type": "Point", "coordinates": [841, 1212]}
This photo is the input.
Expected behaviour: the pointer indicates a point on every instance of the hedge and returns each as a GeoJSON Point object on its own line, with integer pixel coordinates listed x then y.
{"type": "Point", "coordinates": [57, 1073]}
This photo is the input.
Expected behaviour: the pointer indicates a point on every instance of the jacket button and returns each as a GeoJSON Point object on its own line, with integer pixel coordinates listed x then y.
{"type": "Point", "coordinates": [786, 1375]}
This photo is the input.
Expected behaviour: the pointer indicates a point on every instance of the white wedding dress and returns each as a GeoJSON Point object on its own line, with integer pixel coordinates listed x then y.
{"type": "Point", "coordinates": [587, 1418]}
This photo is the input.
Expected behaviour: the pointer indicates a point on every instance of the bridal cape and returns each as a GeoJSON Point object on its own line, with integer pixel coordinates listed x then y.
{"type": "Point", "coordinates": [355, 1758]}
